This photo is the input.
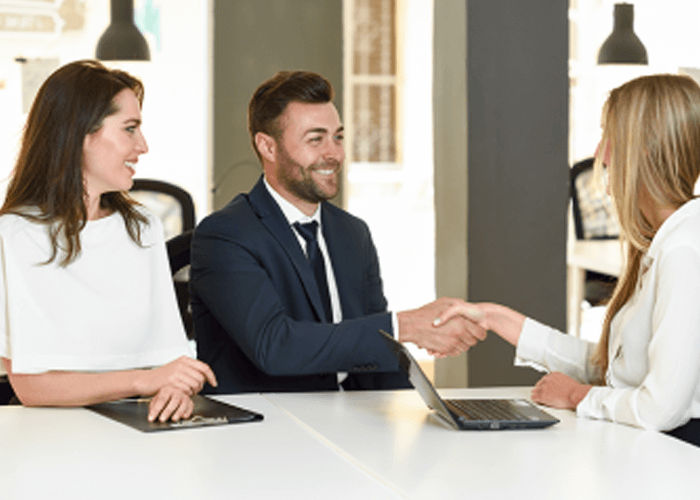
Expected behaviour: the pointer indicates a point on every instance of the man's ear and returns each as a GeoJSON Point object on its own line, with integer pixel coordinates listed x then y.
{"type": "Point", "coordinates": [267, 147]}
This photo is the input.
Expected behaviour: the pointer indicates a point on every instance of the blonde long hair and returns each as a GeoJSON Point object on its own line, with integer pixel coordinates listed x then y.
{"type": "Point", "coordinates": [651, 126]}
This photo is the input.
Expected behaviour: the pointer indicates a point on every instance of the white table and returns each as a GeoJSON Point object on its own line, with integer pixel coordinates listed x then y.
{"type": "Point", "coordinates": [603, 256]}
{"type": "Point", "coordinates": [391, 435]}
{"type": "Point", "coordinates": [75, 454]}
{"type": "Point", "coordinates": [372, 445]}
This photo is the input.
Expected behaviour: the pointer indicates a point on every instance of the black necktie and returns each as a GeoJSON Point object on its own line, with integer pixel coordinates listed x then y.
{"type": "Point", "coordinates": [313, 253]}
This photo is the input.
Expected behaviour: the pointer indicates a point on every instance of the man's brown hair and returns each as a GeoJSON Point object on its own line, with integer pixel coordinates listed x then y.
{"type": "Point", "coordinates": [271, 98]}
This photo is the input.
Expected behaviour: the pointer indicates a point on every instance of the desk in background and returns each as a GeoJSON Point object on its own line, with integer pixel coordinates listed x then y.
{"type": "Point", "coordinates": [603, 256]}
{"type": "Point", "coordinates": [374, 445]}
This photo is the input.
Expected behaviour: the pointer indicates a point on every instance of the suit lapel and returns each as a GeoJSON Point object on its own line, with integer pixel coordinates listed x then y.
{"type": "Point", "coordinates": [272, 218]}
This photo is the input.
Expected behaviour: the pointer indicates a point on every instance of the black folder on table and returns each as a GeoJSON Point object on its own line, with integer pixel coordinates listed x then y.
{"type": "Point", "coordinates": [207, 412]}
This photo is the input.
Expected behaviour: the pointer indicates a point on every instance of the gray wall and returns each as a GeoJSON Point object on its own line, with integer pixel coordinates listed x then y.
{"type": "Point", "coordinates": [517, 83]}
{"type": "Point", "coordinates": [253, 39]}
{"type": "Point", "coordinates": [516, 195]}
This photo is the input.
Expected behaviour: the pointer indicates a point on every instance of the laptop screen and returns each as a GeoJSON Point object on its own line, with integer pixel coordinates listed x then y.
{"type": "Point", "coordinates": [419, 380]}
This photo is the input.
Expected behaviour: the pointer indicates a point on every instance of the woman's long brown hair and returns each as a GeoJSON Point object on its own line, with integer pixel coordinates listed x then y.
{"type": "Point", "coordinates": [48, 174]}
{"type": "Point", "coordinates": [652, 127]}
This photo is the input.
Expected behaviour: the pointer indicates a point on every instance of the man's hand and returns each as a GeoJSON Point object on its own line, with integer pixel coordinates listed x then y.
{"type": "Point", "coordinates": [559, 391]}
{"type": "Point", "coordinates": [448, 338]}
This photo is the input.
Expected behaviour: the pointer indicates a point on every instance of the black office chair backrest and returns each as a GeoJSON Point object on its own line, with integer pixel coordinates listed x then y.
{"type": "Point", "coordinates": [172, 204]}
{"type": "Point", "coordinates": [594, 218]}
{"type": "Point", "coordinates": [592, 210]}
{"type": "Point", "coordinates": [6, 392]}
{"type": "Point", "coordinates": [179, 256]}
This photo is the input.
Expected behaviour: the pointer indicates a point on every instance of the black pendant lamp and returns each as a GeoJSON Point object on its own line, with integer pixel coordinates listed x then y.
{"type": "Point", "coordinates": [122, 40]}
{"type": "Point", "coordinates": [623, 46]}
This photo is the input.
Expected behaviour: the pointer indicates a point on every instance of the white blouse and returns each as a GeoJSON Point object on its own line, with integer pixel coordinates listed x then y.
{"type": "Point", "coordinates": [112, 308]}
{"type": "Point", "coordinates": [653, 378]}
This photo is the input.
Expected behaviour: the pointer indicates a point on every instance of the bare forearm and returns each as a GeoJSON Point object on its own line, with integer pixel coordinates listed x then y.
{"type": "Point", "coordinates": [65, 388]}
{"type": "Point", "coordinates": [74, 388]}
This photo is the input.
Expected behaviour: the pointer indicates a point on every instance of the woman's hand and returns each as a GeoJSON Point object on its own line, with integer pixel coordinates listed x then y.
{"type": "Point", "coordinates": [559, 391]}
{"type": "Point", "coordinates": [450, 338]}
{"type": "Point", "coordinates": [170, 403]}
{"type": "Point", "coordinates": [185, 374]}
{"type": "Point", "coordinates": [486, 316]}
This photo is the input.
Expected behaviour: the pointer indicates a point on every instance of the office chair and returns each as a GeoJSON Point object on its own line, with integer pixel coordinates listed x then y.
{"type": "Point", "coordinates": [172, 204]}
{"type": "Point", "coordinates": [6, 391]}
{"type": "Point", "coordinates": [179, 256]}
{"type": "Point", "coordinates": [594, 218]}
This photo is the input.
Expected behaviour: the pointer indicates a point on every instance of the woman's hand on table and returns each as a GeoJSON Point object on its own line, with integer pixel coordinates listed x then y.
{"type": "Point", "coordinates": [559, 391]}
{"type": "Point", "coordinates": [170, 403]}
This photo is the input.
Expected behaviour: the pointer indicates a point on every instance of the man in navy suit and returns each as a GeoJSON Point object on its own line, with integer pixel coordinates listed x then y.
{"type": "Point", "coordinates": [286, 291]}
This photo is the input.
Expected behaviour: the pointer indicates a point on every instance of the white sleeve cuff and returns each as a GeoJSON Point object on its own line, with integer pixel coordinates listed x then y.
{"type": "Point", "coordinates": [599, 403]}
{"type": "Point", "coordinates": [532, 345]}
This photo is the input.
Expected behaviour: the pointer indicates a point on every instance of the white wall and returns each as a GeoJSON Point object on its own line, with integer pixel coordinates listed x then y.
{"type": "Point", "coordinates": [667, 28]}
{"type": "Point", "coordinates": [177, 79]}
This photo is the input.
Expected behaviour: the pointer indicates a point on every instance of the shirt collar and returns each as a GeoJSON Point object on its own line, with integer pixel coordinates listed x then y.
{"type": "Point", "coordinates": [292, 213]}
{"type": "Point", "coordinates": [689, 209]}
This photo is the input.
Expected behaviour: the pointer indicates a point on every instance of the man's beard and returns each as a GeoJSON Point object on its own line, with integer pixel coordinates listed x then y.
{"type": "Point", "coordinates": [305, 188]}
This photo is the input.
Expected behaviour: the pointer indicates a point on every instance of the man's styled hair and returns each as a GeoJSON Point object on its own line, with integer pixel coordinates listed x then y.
{"type": "Point", "coordinates": [271, 98]}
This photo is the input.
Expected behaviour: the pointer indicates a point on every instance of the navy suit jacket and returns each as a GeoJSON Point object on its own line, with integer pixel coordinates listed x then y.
{"type": "Point", "coordinates": [257, 309]}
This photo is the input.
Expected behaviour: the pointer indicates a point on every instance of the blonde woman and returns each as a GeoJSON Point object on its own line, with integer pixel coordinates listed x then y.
{"type": "Point", "coordinates": [645, 370]}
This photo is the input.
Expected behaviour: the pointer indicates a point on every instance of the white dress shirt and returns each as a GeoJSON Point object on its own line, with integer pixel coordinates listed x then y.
{"type": "Point", "coordinates": [294, 215]}
{"type": "Point", "coordinates": [653, 378]}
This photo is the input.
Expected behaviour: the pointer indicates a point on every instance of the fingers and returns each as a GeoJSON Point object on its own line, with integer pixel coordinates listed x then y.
{"type": "Point", "coordinates": [559, 391]}
{"type": "Point", "coordinates": [468, 311]}
{"type": "Point", "coordinates": [464, 323]}
{"type": "Point", "coordinates": [208, 374]}
{"type": "Point", "coordinates": [458, 335]}
{"type": "Point", "coordinates": [475, 330]}
{"type": "Point", "coordinates": [186, 374]}
{"type": "Point", "coordinates": [196, 370]}
{"type": "Point", "coordinates": [170, 403]}
{"type": "Point", "coordinates": [436, 354]}
{"type": "Point", "coordinates": [451, 339]}
{"type": "Point", "coordinates": [443, 327]}
{"type": "Point", "coordinates": [546, 392]}
{"type": "Point", "coordinates": [537, 392]}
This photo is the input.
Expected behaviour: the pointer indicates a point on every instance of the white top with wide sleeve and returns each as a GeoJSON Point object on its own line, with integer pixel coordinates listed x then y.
{"type": "Point", "coordinates": [112, 308]}
{"type": "Point", "coordinates": [653, 378]}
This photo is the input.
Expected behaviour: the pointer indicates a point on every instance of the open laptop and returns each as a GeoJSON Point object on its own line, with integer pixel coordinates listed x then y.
{"type": "Point", "coordinates": [470, 414]}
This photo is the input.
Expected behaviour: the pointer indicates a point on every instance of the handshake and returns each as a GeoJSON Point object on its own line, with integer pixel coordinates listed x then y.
{"type": "Point", "coordinates": [445, 327]}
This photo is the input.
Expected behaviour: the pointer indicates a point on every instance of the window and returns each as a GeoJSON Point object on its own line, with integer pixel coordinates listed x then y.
{"type": "Point", "coordinates": [388, 120]}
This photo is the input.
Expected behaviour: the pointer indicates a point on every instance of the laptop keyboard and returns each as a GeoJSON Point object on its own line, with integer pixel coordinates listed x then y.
{"type": "Point", "coordinates": [477, 409]}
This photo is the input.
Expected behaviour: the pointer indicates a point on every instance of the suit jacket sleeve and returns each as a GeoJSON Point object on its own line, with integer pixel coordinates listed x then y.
{"type": "Point", "coordinates": [248, 283]}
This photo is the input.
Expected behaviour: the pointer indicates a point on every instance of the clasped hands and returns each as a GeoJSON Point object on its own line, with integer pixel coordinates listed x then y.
{"type": "Point", "coordinates": [172, 386]}
{"type": "Point", "coordinates": [440, 327]}
{"type": "Point", "coordinates": [453, 326]}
